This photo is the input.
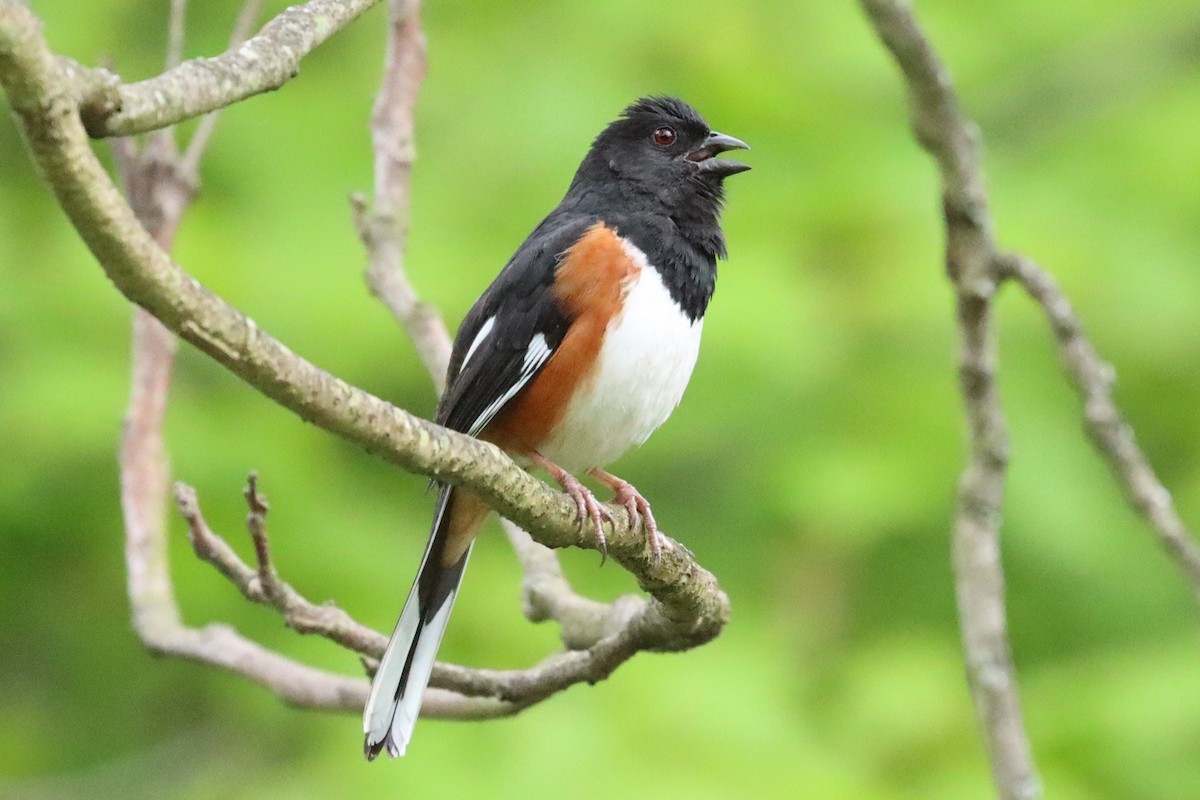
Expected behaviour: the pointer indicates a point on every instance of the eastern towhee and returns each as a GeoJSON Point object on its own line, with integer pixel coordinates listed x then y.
{"type": "Point", "coordinates": [578, 351]}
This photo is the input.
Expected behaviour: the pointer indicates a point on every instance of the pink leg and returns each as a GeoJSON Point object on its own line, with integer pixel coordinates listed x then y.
{"type": "Point", "coordinates": [635, 504]}
{"type": "Point", "coordinates": [585, 502]}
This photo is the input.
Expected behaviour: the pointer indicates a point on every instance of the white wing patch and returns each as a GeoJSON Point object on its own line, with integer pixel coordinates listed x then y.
{"type": "Point", "coordinates": [536, 354]}
{"type": "Point", "coordinates": [484, 330]}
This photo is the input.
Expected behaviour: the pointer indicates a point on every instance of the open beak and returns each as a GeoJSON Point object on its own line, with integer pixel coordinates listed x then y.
{"type": "Point", "coordinates": [706, 154]}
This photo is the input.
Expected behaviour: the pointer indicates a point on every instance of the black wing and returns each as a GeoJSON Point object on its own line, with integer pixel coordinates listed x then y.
{"type": "Point", "coordinates": [513, 329]}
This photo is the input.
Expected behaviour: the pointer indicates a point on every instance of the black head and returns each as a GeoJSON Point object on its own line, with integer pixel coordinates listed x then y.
{"type": "Point", "coordinates": [662, 150]}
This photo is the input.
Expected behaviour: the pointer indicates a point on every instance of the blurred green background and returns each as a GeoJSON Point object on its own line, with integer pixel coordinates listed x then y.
{"type": "Point", "coordinates": [812, 465]}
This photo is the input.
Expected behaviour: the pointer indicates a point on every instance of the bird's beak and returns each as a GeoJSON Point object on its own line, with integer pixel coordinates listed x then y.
{"type": "Point", "coordinates": [715, 143]}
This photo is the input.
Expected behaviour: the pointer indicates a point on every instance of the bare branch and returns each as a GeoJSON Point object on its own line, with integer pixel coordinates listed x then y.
{"type": "Point", "coordinates": [160, 189]}
{"type": "Point", "coordinates": [265, 62]}
{"type": "Point", "coordinates": [263, 585]}
{"type": "Point", "coordinates": [295, 683]}
{"type": "Point", "coordinates": [523, 688]}
{"type": "Point", "coordinates": [384, 230]}
{"type": "Point", "coordinates": [976, 268]}
{"type": "Point", "coordinates": [506, 691]}
{"type": "Point", "coordinates": [159, 201]}
{"type": "Point", "coordinates": [144, 482]}
{"type": "Point", "coordinates": [1110, 433]}
{"type": "Point", "coordinates": [946, 134]}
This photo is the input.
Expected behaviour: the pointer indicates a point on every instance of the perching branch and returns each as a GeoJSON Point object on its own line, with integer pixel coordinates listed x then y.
{"type": "Point", "coordinates": [687, 607]}
{"type": "Point", "coordinates": [977, 268]}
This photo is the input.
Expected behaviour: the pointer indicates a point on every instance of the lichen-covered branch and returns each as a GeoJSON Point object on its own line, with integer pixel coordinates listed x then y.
{"type": "Point", "coordinates": [264, 62]}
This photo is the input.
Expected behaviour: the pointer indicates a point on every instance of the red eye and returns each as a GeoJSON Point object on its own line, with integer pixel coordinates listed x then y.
{"type": "Point", "coordinates": [664, 136]}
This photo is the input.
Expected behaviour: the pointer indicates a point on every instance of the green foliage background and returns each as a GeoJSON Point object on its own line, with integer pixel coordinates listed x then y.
{"type": "Point", "coordinates": [812, 465]}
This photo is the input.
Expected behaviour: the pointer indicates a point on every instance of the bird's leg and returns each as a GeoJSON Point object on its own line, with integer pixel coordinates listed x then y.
{"type": "Point", "coordinates": [585, 502]}
{"type": "Point", "coordinates": [637, 506]}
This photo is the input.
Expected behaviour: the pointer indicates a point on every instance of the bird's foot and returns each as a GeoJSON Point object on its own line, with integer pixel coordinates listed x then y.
{"type": "Point", "coordinates": [636, 505]}
{"type": "Point", "coordinates": [586, 504]}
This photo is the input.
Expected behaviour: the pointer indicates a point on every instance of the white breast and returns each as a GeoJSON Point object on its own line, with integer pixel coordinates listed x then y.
{"type": "Point", "coordinates": [645, 363]}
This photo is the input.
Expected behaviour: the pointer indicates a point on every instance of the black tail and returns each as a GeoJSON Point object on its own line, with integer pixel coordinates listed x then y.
{"type": "Point", "coordinates": [403, 674]}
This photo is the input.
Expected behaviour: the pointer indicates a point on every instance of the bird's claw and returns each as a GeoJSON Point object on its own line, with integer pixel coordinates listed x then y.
{"type": "Point", "coordinates": [588, 508]}
{"type": "Point", "coordinates": [638, 508]}
{"type": "Point", "coordinates": [636, 505]}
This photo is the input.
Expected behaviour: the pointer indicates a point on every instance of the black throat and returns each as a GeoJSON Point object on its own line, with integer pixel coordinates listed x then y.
{"type": "Point", "coordinates": [686, 263]}
{"type": "Point", "coordinates": [676, 226]}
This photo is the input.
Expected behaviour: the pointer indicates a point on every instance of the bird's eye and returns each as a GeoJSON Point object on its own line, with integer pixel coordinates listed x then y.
{"type": "Point", "coordinates": [664, 136]}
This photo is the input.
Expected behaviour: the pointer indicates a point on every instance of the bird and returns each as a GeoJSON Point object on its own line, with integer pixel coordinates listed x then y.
{"type": "Point", "coordinates": [580, 348]}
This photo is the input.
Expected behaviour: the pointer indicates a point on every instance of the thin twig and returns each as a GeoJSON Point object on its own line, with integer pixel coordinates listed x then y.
{"type": "Point", "coordinates": [196, 146]}
{"type": "Point", "coordinates": [176, 27]}
{"type": "Point", "coordinates": [256, 524]}
{"type": "Point", "coordinates": [384, 229]}
{"type": "Point", "coordinates": [263, 585]}
{"type": "Point", "coordinates": [518, 689]}
{"type": "Point", "coordinates": [1111, 435]}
